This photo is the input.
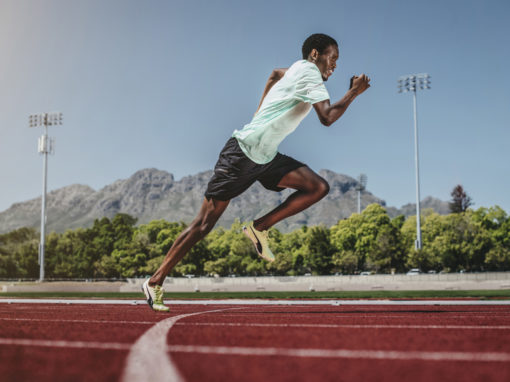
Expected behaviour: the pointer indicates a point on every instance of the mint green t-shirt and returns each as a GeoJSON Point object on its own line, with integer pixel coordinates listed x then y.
{"type": "Point", "coordinates": [286, 104]}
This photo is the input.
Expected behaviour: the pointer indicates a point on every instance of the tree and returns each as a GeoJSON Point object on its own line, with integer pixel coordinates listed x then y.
{"type": "Point", "coordinates": [427, 258]}
{"type": "Point", "coordinates": [318, 250]}
{"type": "Point", "coordinates": [289, 256]}
{"type": "Point", "coordinates": [19, 253]}
{"type": "Point", "coordinates": [460, 200]}
{"type": "Point", "coordinates": [453, 242]}
{"type": "Point", "coordinates": [369, 237]}
{"type": "Point", "coordinates": [231, 252]}
{"type": "Point", "coordinates": [282, 247]}
{"type": "Point", "coordinates": [497, 224]}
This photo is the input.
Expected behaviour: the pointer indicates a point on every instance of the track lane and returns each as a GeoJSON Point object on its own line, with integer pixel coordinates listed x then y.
{"type": "Point", "coordinates": [126, 323]}
{"type": "Point", "coordinates": [271, 346]}
{"type": "Point", "coordinates": [220, 368]}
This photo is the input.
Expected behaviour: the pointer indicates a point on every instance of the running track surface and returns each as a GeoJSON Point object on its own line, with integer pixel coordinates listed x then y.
{"type": "Point", "coordinates": [107, 342]}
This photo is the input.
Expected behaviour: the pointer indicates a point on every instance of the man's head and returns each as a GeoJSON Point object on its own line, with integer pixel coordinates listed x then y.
{"type": "Point", "coordinates": [322, 50]}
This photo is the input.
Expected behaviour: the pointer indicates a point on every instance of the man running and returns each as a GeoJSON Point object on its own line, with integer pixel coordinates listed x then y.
{"type": "Point", "coordinates": [251, 154]}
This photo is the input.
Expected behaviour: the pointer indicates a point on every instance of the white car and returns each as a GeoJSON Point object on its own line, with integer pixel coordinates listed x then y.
{"type": "Point", "coordinates": [414, 271]}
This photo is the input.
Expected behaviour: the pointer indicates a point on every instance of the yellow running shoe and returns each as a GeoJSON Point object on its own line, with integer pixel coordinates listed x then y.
{"type": "Point", "coordinates": [154, 297]}
{"type": "Point", "coordinates": [260, 240]}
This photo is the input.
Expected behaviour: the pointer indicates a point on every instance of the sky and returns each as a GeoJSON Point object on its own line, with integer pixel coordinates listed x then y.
{"type": "Point", "coordinates": [163, 84]}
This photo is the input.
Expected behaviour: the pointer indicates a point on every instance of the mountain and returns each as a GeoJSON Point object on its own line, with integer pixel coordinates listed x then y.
{"type": "Point", "coordinates": [151, 194]}
{"type": "Point", "coordinates": [439, 206]}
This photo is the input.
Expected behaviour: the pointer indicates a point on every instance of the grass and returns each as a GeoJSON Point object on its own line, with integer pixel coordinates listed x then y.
{"type": "Point", "coordinates": [480, 294]}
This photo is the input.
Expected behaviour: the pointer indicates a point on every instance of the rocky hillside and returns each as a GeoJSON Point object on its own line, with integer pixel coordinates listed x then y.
{"type": "Point", "coordinates": [154, 194]}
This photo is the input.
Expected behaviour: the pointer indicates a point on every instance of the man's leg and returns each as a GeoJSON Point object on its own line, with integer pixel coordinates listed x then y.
{"type": "Point", "coordinates": [209, 214]}
{"type": "Point", "coordinates": [310, 189]}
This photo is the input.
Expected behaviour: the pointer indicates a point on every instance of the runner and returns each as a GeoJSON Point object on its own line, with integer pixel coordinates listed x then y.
{"type": "Point", "coordinates": [251, 154]}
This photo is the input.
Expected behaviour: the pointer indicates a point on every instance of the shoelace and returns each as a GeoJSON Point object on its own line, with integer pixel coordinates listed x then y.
{"type": "Point", "coordinates": [159, 294]}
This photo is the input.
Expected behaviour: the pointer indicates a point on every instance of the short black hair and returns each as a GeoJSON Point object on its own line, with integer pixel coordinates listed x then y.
{"type": "Point", "coordinates": [317, 41]}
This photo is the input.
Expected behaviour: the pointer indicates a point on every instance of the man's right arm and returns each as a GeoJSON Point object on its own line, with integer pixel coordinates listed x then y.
{"type": "Point", "coordinates": [275, 76]}
{"type": "Point", "coordinates": [328, 114]}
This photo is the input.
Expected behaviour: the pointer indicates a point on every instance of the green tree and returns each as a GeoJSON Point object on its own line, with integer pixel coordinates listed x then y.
{"type": "Point", "coordinates": [289, 257]}
{"type": "Point", "coordinates": [123, 226]}
{"type": "Point", "coordinates": [453, 242]}
{"type": "Point", "coordinates": [231, 252]}
{"type": "Point", "coordinates": [464, 243]}
{"type": "Point", "coordinates": [318, 250]}
{"type": "Point", "coordinates": [371, 238]}
{"type": "Point", "coordinates": [497, 224]}
{"type": "Point", "coordinates": [19, 252]}
{"type": "Point", "coordinates": [283, 256]}
{"type": "Point", "coordinates": [427, 258]}
{"type": "Point", "coordinates": [113, 245]}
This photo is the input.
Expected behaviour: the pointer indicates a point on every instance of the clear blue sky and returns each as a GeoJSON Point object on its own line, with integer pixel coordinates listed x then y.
{"type": "Point", "coordinates": [164, 83]}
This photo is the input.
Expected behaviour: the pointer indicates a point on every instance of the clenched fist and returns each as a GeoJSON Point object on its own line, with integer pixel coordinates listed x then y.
{"type": "Point", "coordinates": [360, 84]}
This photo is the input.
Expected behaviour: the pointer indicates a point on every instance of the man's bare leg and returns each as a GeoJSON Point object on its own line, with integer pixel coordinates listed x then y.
{"type": "Point", "coordinates": [310, 189]}
{"type": "Point", "coordinates": [209, 214]}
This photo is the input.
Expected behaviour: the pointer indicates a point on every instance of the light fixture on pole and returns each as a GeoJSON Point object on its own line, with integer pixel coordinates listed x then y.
{"type": "Point", "coordinates": [411, 83]}
{"type": "Point", "coordinates": [46, 146]}
{"type": "Point", "coordinates": [362, 184]}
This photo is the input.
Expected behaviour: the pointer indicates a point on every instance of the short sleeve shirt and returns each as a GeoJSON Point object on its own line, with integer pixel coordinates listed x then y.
{"type": "Point", "coordinates": [286, 104]}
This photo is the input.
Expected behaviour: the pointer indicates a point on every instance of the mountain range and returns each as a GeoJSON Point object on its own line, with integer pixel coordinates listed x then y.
{"type": "Point", "coordinates": [151, 194]}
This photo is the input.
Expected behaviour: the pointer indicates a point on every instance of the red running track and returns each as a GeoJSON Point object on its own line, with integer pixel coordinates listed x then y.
{"type": "Point", "coordinates": [55, 342]}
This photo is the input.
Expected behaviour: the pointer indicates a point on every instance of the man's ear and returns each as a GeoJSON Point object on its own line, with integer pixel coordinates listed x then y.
{"type": "Point", "coordinates": [314, 54]}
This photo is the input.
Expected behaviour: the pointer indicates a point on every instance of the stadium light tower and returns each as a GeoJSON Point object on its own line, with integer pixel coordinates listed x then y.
{"type": "Point", "coordinates": [362, 184]}
{"type": "Point", "coordinates": [46, 146]}
{"type": "Point", "coordinates": [411, 83]}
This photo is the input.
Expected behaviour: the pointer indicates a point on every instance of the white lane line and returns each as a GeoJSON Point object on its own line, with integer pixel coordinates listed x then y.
{"type": "Point", "coordinates": [334, 302]}
{"type": "Point", "coordinates": [344, 353]}
{"type": "Point", "coordinates": [65, 344]}
{"type": "Point", "coordinates": [148, 360]}
{"type": "Point", "coordinates": [248, 324]}
{"type": "Point", "coordinates": [358, 315]}
{"type": "Point", "coordinates": [77, 321]}
{"type": "Point", "coordinates": [349, 326]}
{"type": "Point", "coordinates": [258, 351]}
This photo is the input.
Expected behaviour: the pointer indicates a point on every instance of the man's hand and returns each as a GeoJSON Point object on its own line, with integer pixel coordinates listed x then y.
{"type": "Point", "coordinates": [328, 113]}
{"type": "Point", "coordinates": [360, 84]}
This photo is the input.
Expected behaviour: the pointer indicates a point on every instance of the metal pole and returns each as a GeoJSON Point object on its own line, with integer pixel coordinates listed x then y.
{"type": "Point", "coordinates": [43, 204]}
{"type": "Point", "coordinates": [359, 201]}
{"type": "Point", "coordinates": [416, 160]}
{"type": "Point", "coordinates": [45, 148]}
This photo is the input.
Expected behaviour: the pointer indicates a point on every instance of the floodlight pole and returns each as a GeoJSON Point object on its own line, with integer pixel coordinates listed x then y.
{"type": "Point", "coordinates": [406, 84]}
{"type": "Point", "coordinates": [417, 168]}
{"type": "Point", "coordinates": [42, 149]}
{"type": "Point", "coordinates": [45, 147]}
{"type": "Point", "coordinates": [362, 184]}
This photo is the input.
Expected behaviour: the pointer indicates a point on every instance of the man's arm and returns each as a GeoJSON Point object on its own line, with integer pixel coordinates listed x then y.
{"type": "Point", "coordinates": [328, 114]}
{"type": "Point", "coordinates": [275, 76]}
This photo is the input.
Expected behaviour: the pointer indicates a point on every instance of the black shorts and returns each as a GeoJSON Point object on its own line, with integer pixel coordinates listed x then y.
{"type": "Point", "coordinates": [234, 172]}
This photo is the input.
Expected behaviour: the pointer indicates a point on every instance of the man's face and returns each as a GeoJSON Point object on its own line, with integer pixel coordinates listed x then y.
{"type": "Point", "coordinates": [326, 62]}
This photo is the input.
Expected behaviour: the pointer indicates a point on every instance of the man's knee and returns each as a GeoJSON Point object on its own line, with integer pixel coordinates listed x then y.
{"type": "Point", "coordinates": [208, 216]}
{"type": "Point", "coordinates": [322, 188]}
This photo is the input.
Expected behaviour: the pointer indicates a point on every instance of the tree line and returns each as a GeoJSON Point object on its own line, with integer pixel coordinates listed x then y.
{"type": "Point", "coordinates": [470, 240]}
